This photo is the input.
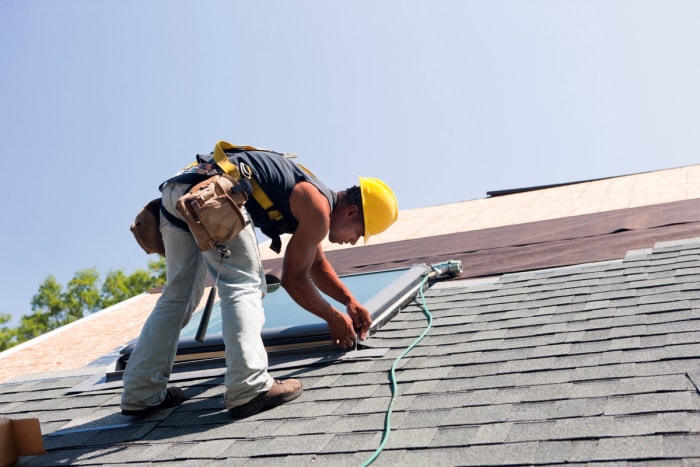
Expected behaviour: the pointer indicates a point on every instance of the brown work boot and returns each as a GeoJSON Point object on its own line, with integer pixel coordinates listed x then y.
{"type": "Point", "coordinates": [279, 393]}
{"type": "Point", "coordinates": [173, 397]}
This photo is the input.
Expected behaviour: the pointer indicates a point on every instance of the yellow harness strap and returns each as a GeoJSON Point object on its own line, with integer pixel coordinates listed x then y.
{"type": "Point", "coordinates": [258, 194]}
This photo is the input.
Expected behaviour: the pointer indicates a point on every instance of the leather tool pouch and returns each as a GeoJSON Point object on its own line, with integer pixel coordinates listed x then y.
{"type": "Point", "coordinates": [212, 210]}
{"type": "Point", "coordinates": [146, 228]}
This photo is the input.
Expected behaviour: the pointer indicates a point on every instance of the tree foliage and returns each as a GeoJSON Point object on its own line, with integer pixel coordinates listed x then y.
{"type": "Point", "coordinates": [54, 306]}
{"type": "Point", "coordinates": [7, 335]}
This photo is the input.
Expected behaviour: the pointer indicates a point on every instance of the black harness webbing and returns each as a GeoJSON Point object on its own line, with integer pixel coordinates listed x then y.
{"type": "Point", "coordinates": [172, 219]}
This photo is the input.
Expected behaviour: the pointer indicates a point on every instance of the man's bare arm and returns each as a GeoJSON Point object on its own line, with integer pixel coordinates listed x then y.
{"type": "Point", "coordinates": [312, 212]}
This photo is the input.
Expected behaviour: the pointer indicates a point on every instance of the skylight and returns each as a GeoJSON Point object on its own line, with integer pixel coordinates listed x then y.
{"type": "Point", "coordinates": [290, 328]}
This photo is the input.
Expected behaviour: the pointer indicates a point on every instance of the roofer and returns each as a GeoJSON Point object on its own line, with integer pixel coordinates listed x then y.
{"type": "Point", "coordinates": [284, 198]}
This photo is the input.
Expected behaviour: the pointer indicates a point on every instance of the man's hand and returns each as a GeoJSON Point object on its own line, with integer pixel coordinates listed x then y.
{"type": "Point", "coordinates": [341, 328]}
{"type": "Point", "coordinates": [361, 319]}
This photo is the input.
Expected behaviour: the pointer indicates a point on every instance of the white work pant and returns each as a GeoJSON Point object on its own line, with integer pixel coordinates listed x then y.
{"type": "Point", "coordinates": [241, 288]}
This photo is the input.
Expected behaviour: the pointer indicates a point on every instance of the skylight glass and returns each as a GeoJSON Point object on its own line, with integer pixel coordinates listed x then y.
{"type": "Point", "coordinates": [282, 312]}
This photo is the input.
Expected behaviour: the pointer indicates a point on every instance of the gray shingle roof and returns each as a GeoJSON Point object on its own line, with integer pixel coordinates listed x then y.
{"type": "Point", "coordinates": [591, 363]}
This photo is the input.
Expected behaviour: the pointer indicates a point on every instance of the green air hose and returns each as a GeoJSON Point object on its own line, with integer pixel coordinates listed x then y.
{"type": "Point", "coordinates": [392, 377]}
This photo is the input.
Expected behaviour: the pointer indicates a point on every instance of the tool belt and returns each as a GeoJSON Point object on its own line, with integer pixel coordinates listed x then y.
{"type": "Point", "coordinates": [146, 228]}
{"type": "Point", "coordinates": [212, 210]}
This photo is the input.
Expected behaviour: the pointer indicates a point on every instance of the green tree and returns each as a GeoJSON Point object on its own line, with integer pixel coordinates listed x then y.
{"type": "Point", "coordinates": [82, 296]}
{"type": "Point", "coordinates": [54, 306]}
{"type": "Point", "coordinates": [118, 286]}
{"type": "Point", "coordinates": [47, 311]}
{"type": "Point", "coordinates": [8, 336]}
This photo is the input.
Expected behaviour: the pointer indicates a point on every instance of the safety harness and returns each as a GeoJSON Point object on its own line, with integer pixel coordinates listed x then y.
{"type": "Point", "coordinates": [239, 172]}
{"type": "Point", "coordinates": [230, 168]}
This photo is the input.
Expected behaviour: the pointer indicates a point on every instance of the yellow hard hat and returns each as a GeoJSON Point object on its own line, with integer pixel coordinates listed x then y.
{"type": "Point", "coordinates": [379, 206]}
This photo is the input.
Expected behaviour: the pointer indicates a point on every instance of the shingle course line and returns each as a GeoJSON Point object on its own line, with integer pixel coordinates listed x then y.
{"type": "Point", "coordinates": [662, 353]}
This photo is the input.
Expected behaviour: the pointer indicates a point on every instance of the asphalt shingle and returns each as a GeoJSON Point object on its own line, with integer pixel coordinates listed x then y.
{"type": "Point", "coordinates": [582, 364]}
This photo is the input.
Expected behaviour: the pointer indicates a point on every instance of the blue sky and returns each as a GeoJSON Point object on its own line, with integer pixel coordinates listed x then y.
{"type": "Point", "coordinates": [445, 100]}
